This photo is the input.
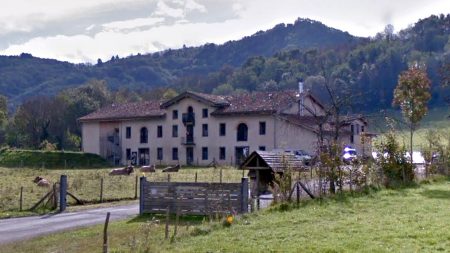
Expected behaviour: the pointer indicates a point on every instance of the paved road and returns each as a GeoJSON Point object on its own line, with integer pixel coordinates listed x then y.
{"type": "Point", "coordinates": [17, 229]}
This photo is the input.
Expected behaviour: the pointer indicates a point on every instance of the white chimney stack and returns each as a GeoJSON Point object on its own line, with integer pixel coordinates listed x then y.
{"type": "Point", "coordinates": [300, 87]}
{"type": "Point", "coordinates": [301, 102]}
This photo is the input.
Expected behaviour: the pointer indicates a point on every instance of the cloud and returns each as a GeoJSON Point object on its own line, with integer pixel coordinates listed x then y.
{"type": "Point", "coordinates": [85, 30]}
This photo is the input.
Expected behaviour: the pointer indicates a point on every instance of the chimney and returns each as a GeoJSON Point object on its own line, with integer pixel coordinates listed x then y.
{"type": "Point", "coordinates": [301, 106]}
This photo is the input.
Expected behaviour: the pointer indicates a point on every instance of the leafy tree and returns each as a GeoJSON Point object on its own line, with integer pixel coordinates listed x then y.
{"type": "Point", "coordinates": [412, 95]}
{"type": "Point", "coordinates": [223, 89]}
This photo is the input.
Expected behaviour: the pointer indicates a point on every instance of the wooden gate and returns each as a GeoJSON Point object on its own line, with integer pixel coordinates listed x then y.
{"type": "Point", "coordinates": [193, 198]}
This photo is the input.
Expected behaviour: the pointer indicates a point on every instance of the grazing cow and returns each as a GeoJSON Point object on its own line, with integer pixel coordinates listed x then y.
{"type": "Point", "coordinates": [41, 182]}
{"type": "Point", "coordinates": [172, 169]}
{"type": "Point", "coordinates": [148, 168]}
{"type": "Point", "coordinates": [124, 171]}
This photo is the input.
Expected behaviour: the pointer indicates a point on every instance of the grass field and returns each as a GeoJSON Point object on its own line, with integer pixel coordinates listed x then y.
{"type": "Point", "coordinates": [406, 220]}
{"type": "Point", "coordinates": [437, 119]}
{"type": "Point", "coordinates": [19, 158]}
{"type": "Point", "coordinates": [85, 184]}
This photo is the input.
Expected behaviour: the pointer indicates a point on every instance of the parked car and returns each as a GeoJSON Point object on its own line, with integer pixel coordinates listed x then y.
{"type": "Point", "coordinates": [303, 156]}
{"type": "Point", "coordinates": [349, 155]}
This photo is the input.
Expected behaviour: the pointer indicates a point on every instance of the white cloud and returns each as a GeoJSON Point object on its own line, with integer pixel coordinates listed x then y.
{"type": "Point", "coordinates": [172, 23]}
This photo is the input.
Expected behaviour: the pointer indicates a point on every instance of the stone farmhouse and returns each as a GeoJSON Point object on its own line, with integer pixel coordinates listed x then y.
{"type": "Point", "coordinates": [199, 129]}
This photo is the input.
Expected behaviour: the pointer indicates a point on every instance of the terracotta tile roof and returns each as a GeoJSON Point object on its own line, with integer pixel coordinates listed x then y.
{"type": "Point", "coordinates": [245, 103]}
{"type": "Point", "coordinates": [257, 102]}
{"type": "Point", "coordinates": [146, 109]}
{"type": "Point", "coordinates": [213, 100]}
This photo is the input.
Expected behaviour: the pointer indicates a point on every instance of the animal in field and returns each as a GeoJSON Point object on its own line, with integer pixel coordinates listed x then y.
{"type": "Point", "coordinates": [41, 182]}
{"type": "Point", "coordinates": [123, 171]}
{"type": "Point", "coordinates": [148, 168]}
{"type": "Point", "coordinates": [172, 169]}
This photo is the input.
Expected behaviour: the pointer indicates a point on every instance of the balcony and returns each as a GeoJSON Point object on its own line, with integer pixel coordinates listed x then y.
{"type": "Point", "coordinates": [187, 141]}
{"type": "Point", "coordinates": [188, 118]}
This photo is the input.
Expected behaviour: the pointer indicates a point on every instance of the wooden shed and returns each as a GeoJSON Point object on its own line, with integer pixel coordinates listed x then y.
{"type": "Point", "coordinates": [262, 166]}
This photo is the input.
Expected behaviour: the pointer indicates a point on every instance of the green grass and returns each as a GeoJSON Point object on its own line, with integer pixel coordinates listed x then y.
{"type": "Point", "coordinates": [85, 184]}
{"type": "Point", "coordinates": [16, 158]}
{"type": "Point", "coordinates": [436, 119]}
{"type": "Point", "coordinates": [406, 220]}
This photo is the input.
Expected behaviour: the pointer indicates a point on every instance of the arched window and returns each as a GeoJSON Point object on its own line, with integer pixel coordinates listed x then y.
{"type": "Point", "coordinates": [144, 135]}
{"type": "Point", "coordinates": [242, 132]}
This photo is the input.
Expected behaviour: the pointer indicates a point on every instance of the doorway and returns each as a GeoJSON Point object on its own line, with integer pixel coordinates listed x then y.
{"type": "Point", "coordinates": [144, 156]}
{"type": "Point", "coordinates": [189, 155]}
{"type": "Point", "coordinates": [241, 153]}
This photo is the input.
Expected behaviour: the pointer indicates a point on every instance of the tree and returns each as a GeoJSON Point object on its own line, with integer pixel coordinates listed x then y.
{"type": "Point", "coordinates": [412, 95]}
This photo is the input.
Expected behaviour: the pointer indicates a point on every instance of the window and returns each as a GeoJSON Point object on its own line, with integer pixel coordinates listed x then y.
{"type": "Point", "coordinates": [159, 154]}
{"type": "Point", "coordinates": [144, 135]}
{"type": "Point", "coordinates": [175, 131]}
{"type": "Point", "coordinates": [242, 132]}
{"type": "Point", "coordinates": [204, 153]}
{"type": "Point", "coordinates": [128, 154]}
{"type": "Point", "coordinates": [175, 154]}
{"type": "Point", "coordinates": [205, 113]}
{"type": "Point", "coordinates": [128, 133]}
{"type": "Point", "coordinates": [362, 129]}
{"type": "Point", "coordinates": [160, 132]}
{"type": "Point", "coordinates": [262, 128]}
{"type": "Point", "coordinates": [205, 130]}
{"type": "Point", "coordinates": [222, 154]}
{"type": "Point", "coordinates": [175, 114]}
{"type": "Point", "coordinates": [222, 129]}
{"type": "Point", "coordinates": [262, 148]}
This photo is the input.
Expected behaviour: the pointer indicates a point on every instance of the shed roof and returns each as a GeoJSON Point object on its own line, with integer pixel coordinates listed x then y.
{"type": "Point", "coordinates": [276, 161]}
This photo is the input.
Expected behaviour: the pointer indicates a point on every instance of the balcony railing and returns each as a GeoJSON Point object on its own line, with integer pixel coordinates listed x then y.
{"type": "Point", "coordinates": [188, 118]}
{"type": "Point", "coordinates": [187, 141]}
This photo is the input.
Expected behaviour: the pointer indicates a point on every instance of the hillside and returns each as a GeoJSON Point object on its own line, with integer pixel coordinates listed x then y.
{"type": "Point", "coordinates": [268, 60]}
{"type": "Point", "coordinates": [23, 76]}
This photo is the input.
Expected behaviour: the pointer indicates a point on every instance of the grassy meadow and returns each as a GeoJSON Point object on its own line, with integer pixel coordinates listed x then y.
{"type": "Point", "coordinates": [85, 184]}
{"type": "Point", "coordinates": [406, 220]}
{"type": "Point", "coordinates": [437, 119]}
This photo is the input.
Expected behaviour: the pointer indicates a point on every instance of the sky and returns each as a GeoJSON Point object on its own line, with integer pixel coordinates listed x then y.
{"type": "Point", "coordinates": [83, 31]}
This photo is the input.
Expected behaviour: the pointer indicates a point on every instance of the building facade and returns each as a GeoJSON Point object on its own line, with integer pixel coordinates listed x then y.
{"type": "Point", "coordinates": [199, 129]}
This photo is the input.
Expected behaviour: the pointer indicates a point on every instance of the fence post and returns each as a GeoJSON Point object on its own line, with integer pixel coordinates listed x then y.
{"type": "Point", "coordinates": [142, 181]}
{"type": "Point", "coordinates": [298, 193]}
{"type": "Point", "coordinates": [168, 177]}
{"type": "Point", "coordinates": [136, 188]}
{"type": "Point", "coordinates": [101, 190]}
{"type": "Point", "coordinates": [244, 195]}
{"type": "Point", "coordinates": [220, 175]}
{"type": "Point", "coordinates": [167, 224]}
{"type": "Point", "coordinates": [105, 233]}
{"type": "Point", "coordinates": [196, 177]}
{"type": "Point", "coordinates": [21, 199]}
{"type": "Point", "coordinates": [62, 193]}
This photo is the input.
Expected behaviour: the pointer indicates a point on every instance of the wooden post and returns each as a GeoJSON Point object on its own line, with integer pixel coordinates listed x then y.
{"type": "Point", "coordinates": [220, 175]}
{"type": "Point", "coordinates": [21, 199]}
{"type": "Point", "coordinates": [167, 224]}
{"type": "Point", "coordinates": [55, 198]}
{"type": "Point", "coordinates": [257, 190]}
{"type": "Point", "coordinates": [105, 233]}
{"type": "Point", "coordinates": [177, 219]}
{"type": "Point", "coordinates": [101, 190]}
{"type": "Point", "coordinates": [141, 195]}
{"type": "Point", "coordinates": [136, 188]}
{"type": "Point", "coordinates": [62, 193]}
{"type": "Point", "coordinates": [196, 177]}
{"type": "Point", "coordinates": [244, 195]}
{"type": "Point", "coordinates": [298, 193]}
{"type": "Point", "coordinates": [168, 177]}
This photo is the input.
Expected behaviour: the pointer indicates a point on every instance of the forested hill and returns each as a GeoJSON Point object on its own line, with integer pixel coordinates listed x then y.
{"type": "Point", "coordinates": [23, 76]}
{"type": "Point", "coordinates": [270, 60]}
